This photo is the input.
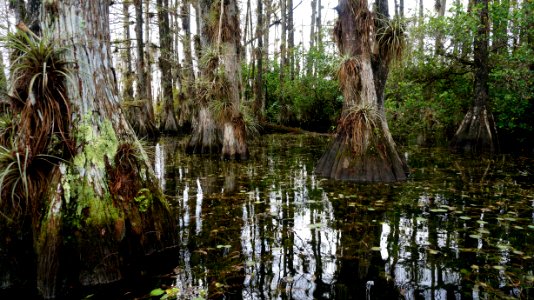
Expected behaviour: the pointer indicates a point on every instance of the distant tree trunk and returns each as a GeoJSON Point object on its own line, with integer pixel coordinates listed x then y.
{"type": "Point", "coordinates": [477, 132]}
{"type": "Point", "coordinates": [185, 13]}
{"type": "Point", "coordinates": [267, 30]}
{"type": "Point", "coordinates": [95, 204]}
{"type": "Point", "coordinates": [149, 107]}
{"type": "Point", "coordinates": [401, 8]}
{"type": "Point", "coordinates": [168, 116]}
{"type": "Point", "coordinates": [187, 91]}
{"type": "Point", "coordinates": [291, 39]}
{"type": "Point", "coordinates": [141, 112]}
{"type": "Point", "coordinates": [248, 21]}
{"type": "Point", "coordinates": [420, 23]}
{"type": "Point", "coordinates": [363, 149]}
{"type": "Point", "coordinates": [284, 114]}
{"type": "Point", "coordinates": [310, 61]}
{"type": "Point", "coordinates": [319, 23]}
{"type": "Point", "coordinates": [283, 39]}
{"type": "Point", "coordinates": [440, 6]}
{"type": "Point", "coordinates": [127, 72]}
{"type": "Point", "coordinates": [259, 100]}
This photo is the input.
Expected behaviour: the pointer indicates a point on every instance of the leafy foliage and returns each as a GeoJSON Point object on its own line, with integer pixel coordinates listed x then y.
{"type": "Point", "coordinates": [429, 93]}
{"type": "Point", "coordinates": [312, 101]}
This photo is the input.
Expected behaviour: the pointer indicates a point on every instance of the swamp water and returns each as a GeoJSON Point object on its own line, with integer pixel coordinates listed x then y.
{"type": "Point", "coordinates": [268, 228]}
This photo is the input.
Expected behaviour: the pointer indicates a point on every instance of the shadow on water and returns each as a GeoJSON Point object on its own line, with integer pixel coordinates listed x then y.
{"type": "Point", "coordinates": [268, 228]}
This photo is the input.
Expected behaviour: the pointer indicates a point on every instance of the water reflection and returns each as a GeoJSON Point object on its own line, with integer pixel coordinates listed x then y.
{"type": "Point", "coordinates": [269, 229]}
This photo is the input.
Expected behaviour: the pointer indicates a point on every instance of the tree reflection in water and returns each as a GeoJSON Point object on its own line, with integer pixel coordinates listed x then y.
{"type": "Point", "coordinates": [270, 229]}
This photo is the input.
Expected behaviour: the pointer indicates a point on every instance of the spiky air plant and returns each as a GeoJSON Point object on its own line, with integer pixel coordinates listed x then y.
{"type": "Point", "coordinates": [14, 189]}
{"type": "Point", "coordinates": [7, 129]}
{"type": "Point", "coordinates": [37, 138]}
{"type": "Point", "coordinates": [360, 124]}
{"type": "Point", "coordinates": [391, 38]}
{"type": "Point", "coordinates": [38, 93]}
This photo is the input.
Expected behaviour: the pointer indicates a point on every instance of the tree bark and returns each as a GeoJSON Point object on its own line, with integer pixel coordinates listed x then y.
{"type": "Point", "coordinates": [267, 30]}
{"type": "Point", "coordinates": [169, 123]}
{"type": "Point", "coordinates": [319, 23]}
{"type": "Point", "coordinates": [185, 13]}
{"type": "Point", "coordinates": [440, 6]}
{"type": "Point", "coordinates": [363, 149]}
{"type": "Point", "coordinates": [310, 61]}
{"type": "Point", "coordinates": [99, 208]}
{"type": "Point", "coordinates": [259, 100]}
{"type": "Point", "coordinates": [477, 132]}
{"type": "Point", "coordinates": [290, 39]}
{"type": "Point", "coordinates": [420, 22]}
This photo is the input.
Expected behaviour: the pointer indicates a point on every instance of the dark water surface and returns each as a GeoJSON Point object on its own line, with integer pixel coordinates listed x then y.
{"type": "Point", "coordinates": [268, 228]}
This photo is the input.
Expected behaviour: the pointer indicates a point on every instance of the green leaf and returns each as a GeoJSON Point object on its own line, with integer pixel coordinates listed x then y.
{"type": "Point", "coordinates": [157, 292]}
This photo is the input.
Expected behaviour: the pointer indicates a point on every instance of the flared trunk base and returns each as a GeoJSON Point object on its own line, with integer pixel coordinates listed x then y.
{"type": "Point", "coordinates": [378, 162]}
{"type": "Point", "coordinates": [477, 132]}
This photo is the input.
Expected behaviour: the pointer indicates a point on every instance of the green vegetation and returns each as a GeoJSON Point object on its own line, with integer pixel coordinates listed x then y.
{"type": "Point", "coordinates": [428, 91]}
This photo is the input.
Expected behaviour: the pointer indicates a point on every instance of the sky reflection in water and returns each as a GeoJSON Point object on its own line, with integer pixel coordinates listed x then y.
{"type": "Point", "coordinates": [270, 229]}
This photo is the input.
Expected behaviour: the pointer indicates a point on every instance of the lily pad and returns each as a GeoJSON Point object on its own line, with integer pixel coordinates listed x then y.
{"type": "Point", "coordinates": [438, 210]}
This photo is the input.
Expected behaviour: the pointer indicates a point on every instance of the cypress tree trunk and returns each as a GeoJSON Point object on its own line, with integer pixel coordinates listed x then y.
{"type": "Point", "coordinates": [439, 6]}
{"type": "Point", "coordinates": [310, 61]}
{"type": "Point", "coordinates": [363, 149]}
{"type": "Point", "coordinates": [189, 74]}
{"type": "Point", "coordinates": [290, 39]}
{"type": "Point", "coordinates": [219, 125]}
{"type": "Point", "coordinates": [228, 39]}
{"type": "Point", "coordinates": [168, 117]}
{"type": "Point", "coordinates": [259, 99]}
{"type": "Point", "coordinates": [267, 30]}
{"type": "Point", "coordinates": [95, 205]}
{"type": "Point", "coordinates": [477, 132]}
{"type": "Point", "coordinates": [127, 72]}
{"type": "Point", "coordinates": [140, 113]}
